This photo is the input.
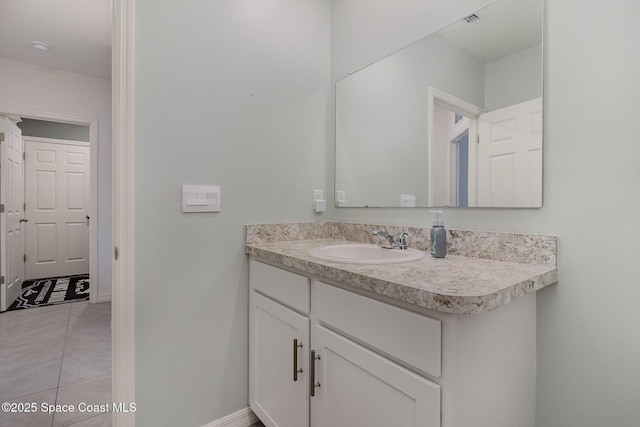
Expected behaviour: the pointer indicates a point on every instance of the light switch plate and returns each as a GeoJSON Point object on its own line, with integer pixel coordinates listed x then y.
{"type": "Point", "coordinates": [200, 198]}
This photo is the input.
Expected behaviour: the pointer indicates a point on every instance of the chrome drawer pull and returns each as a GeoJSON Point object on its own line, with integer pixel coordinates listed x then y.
{"type": "Point", "coordinates": [312, 383]}
{"type": "Point", "coordinates": [296, 371]}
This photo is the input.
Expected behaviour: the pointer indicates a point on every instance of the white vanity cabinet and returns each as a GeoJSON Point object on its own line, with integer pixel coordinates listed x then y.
{"type": "Point", "coordinates": [278, 345]}
{"type": "Point", "coordinates": [278, 392]}
{"type": "Point", "coordinates": [447, 342]}
{"type": "Point", "coordinates": [353, 385]}
{"type": "Point", "coordinates": [376, 362]}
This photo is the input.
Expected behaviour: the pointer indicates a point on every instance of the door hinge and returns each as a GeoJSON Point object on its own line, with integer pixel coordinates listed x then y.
{"type": "Point", "coordinates": [1, 136]}
{"type": "Point", "coordinates": [115, 252]}
{"type": "Point", "coordinates": [1, 280]}
{"type": "Point", "coordinates": [24, 155]}
{"type": "Point", "coordinates": [24, 258]}
{"type": "Point", "coordinates": [24, 207]}
{"type": "Point", "coordinates": [1, 208]}
{"type": "Point", "coordinates": [478, 139]}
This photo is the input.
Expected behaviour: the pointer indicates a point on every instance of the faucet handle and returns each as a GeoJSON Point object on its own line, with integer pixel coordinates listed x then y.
{"type": "Point", "coordinates": [401, 240]}
{"type": "Point", "coordinates": [381, 234]}
{"type": "Point", "coordinates": [383, 237]}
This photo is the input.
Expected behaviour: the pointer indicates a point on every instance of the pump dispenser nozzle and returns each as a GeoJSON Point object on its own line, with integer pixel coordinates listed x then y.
{"type": "Point", "coordinates": [437, 218]}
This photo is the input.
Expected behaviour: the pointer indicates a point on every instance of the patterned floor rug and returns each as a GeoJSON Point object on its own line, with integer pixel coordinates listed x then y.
{"type": "Point", "coordinates": [58, 290]}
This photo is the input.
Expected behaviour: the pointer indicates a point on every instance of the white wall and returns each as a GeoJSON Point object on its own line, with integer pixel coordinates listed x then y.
{"type": "Point", "coordinates": [27, 87]}
{"type": "Point", "coordinates": [232, 93]}
{"type": "Point", "coordinates": [588, 335]}
{"type": "Point", "coordinates": [513, 79]}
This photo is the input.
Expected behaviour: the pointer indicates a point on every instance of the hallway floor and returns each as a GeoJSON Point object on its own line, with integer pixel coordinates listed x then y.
{"type": "Point", "coordinates": [56, 355]}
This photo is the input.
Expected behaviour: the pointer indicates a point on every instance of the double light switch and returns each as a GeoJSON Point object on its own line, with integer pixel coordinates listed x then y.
{"type": "Point", "coordinates": [200, 198]}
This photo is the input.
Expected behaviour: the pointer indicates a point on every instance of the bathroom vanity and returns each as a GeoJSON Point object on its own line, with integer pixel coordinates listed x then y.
{"type": "Point", "coordinates": [437, 342]}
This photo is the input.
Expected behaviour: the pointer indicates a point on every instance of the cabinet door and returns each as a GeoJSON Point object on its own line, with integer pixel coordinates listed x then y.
{"type": "Point", "coordinates": [274, 396]}
{"type": "Point", "coordinates": [359, 388]}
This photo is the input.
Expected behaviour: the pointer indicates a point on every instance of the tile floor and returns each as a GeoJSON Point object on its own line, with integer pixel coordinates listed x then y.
{"type": "Point", "coordinates": [56, 355]}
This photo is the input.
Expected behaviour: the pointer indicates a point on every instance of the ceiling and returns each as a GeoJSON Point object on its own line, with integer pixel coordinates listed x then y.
{"type": "Point", "coordinates": [502, 28]}
{"type": "Point", "coordinates": [78, 31]}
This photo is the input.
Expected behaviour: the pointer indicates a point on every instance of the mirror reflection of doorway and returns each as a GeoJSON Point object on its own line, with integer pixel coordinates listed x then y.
{"type": "Point", "coordinates": [453, 131]}
{"type": "Point", "coordinates": [460, 170]}
{"type": "Point", "coordinates": [492, 158]}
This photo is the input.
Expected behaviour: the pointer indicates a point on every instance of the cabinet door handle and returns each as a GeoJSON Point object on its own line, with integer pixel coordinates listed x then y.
{"type": "Point", "coordinates": [296, 371]}
{"type": "Point", "coordinates": [312, 383]}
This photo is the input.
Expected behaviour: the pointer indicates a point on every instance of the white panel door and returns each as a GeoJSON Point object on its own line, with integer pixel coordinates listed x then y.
{"type": "Point", "coordinates": [509, 164]}
{"type": "Point", "coordinates": [57, 194]}
{"type": "Point", "coordinates": [11, 220]}
{"type": "Point", "coordinates": [359, 388]}
{"type": "Point", "coordinates": [277, 390]}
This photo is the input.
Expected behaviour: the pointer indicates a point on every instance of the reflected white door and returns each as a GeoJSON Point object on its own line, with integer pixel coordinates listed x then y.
{"type": "Point", "coordinates": [509, 164]}
{"type": "Point", "coordinates": [58, 200]}
{"type": "Point", "coordinates": [11, 196]}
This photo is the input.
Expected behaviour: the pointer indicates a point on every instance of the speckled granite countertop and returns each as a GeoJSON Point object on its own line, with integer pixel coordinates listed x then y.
{"type": "Point", "coordinates": [454, 284]}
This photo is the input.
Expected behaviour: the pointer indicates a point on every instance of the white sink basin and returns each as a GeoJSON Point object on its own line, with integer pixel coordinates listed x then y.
{"type": "Point", "coordinates": [362, 253]}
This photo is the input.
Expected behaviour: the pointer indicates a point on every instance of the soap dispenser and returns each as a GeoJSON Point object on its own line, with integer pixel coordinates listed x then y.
{"type": "Point", "coordinates": [438, 242]}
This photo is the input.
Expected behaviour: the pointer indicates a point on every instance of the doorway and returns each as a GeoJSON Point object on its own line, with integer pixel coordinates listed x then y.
{"type": "Point", "coordinates": [459, 158]}
{"type": "Point", "coordinates": [67, 245]}
{"type": "Point", "coordinates": [452, 150]}
{"type": "Point", "coordinates": [493, 159]}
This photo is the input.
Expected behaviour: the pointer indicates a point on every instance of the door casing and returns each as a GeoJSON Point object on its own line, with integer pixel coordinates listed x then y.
{"type": "Point", "coordinates": [123, 299]}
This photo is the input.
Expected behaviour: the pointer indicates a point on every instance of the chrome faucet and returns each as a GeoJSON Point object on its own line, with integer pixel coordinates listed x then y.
{"type": "Point", "coordinates": [387, 241]}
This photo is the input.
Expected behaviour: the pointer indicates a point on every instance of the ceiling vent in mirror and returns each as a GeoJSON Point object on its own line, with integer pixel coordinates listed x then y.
{"type": "Point", "coordinates": [40, 46]}
{"type": "Point", "coordinates": [471, 18]}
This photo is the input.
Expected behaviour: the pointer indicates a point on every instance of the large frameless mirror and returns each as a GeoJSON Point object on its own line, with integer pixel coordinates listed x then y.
{"type": "Point", "coordinates": [454, 119]}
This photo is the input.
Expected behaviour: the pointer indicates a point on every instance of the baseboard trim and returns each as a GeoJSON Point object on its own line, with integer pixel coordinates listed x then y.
{"type": "Point", "coordinates": [242, 418]}
{"type": "Point", "coordinates": [103, 298]}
